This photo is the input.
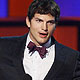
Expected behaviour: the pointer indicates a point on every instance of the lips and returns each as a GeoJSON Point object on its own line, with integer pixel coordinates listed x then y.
{"type": "Point", "coordinates": [43, 35]}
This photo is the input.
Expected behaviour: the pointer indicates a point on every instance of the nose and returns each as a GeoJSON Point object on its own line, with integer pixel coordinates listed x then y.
{"type": "Point", "coordinates": [44, 26]}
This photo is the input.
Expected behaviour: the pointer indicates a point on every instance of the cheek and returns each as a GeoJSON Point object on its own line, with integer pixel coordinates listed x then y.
{"type": "Point", "coordinates": [51, 30]}
{"type": "Point", "coordinates": [34, 30]}
{"type": "Point", "coordinates": [33, 27]}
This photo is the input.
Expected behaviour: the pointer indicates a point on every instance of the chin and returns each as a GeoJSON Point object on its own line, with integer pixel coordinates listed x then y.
{"type": "Point", "coordinates": [43, 42]}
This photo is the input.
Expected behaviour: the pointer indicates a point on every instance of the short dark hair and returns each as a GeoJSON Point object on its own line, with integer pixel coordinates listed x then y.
{"type": "Point", "coordinates": [44, 7]}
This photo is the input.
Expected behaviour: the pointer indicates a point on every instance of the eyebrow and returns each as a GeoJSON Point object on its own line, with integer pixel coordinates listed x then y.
{"type": "Point", "coordinates": [39, 19]}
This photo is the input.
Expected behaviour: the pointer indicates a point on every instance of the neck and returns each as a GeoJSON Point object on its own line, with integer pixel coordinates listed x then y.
{"type": "Point", "coordinates": [47, 44]}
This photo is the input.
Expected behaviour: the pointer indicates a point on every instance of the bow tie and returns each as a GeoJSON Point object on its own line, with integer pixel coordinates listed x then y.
{"type": "Point", "coordinates": [32, 47]}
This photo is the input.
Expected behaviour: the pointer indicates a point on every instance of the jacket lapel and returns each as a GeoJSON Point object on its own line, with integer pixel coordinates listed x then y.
{"type": "Point", "coordinates": [58, 62]}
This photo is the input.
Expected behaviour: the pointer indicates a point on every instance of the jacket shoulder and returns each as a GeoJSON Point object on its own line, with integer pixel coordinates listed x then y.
{"type": "Point", "coordinates": [13, 38]}
{"type": "Point", "coordinates": [67, 49]}
{"type": "Point", "coordinates": [71, 55]}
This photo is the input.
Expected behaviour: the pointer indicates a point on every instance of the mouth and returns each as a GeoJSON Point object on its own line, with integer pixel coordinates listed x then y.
{"type": "Point", "coordinates": [43, 35]}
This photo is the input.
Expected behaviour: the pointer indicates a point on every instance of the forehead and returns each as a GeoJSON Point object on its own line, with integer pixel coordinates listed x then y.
{"type": "Point", "coordinates": [44, 16]}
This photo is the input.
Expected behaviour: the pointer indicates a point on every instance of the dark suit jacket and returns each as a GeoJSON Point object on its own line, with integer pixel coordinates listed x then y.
{"type": "Point", "coordinates": [65, 67]}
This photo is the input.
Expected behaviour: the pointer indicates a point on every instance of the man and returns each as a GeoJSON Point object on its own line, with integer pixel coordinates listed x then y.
{"type": "Point", "coordinates": [37, 55]}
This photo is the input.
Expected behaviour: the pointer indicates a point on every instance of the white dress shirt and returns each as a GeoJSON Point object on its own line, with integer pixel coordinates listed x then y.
{"type": "Point", "coordinates": [34, 65]}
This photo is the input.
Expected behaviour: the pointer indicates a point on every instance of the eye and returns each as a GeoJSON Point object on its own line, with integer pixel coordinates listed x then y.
{"type": "Point", "coordinates": [51, 22]}
{"type": "Point", "coordinates": [38, 20]}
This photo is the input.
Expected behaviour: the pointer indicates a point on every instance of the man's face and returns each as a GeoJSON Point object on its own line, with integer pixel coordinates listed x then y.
{"type": "Point", "coordinates": [41, 27]}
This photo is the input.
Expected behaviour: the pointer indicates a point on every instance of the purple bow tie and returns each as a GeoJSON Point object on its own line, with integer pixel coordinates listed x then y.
{"type": "Point", "coordinates": [32, 47]}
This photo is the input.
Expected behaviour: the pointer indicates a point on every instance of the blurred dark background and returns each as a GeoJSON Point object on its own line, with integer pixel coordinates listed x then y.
{"type": "Point", "coordinates": [14, 12]}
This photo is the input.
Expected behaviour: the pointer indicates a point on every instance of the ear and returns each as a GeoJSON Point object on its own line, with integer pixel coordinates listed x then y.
{"type": "Point", "coordinates": [27, 22]}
